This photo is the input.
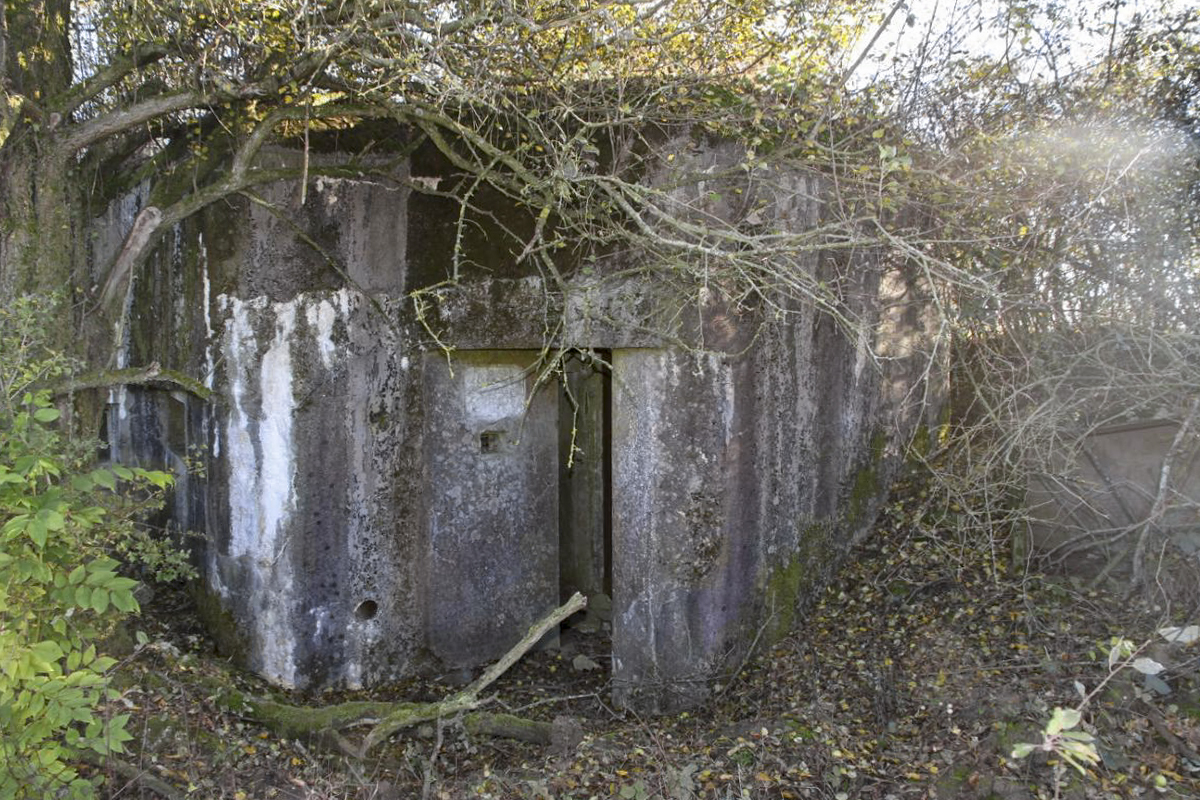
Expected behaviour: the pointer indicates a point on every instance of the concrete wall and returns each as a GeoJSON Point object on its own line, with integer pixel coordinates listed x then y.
{"type": "Point", "coordinates": [376, 508]}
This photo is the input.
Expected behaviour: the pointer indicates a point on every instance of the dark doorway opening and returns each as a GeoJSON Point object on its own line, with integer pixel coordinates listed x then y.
{"type": "Point", "coordinates": [585, 482]}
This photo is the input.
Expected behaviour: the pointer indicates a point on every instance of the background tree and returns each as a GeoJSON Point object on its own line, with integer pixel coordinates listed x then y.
{"type": "Point", "coordinates": [1063, 214]}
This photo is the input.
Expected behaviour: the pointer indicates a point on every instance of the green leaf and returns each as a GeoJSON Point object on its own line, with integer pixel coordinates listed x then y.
{"type": "Point", "coordinates": [1077, 752]}
{"type": "Point", "coordinates": [104, 478]}
{"type": "Point", "coordinates": [53, 520]}
{"type": "Point", "coordinates": [100, 600]}
{"type": "Point", "coordinates": [100, 578]}
{"type": "Point", "coordinates": [47, 651]}
{"type": "Point", "coordinates": [37, 532]}
{"type": "Point", "coordinates": [120, 583]}
{"type": "Point", "coordinates": [15, 526]}
{"type": "Point", "coordinates": [46, 414]}
{"type": "Point", "coordinates": [1062, 719]}
{"type": "Point", "coordinates": [123, 600]}
{"type": "Point", "coordinates": [156, 477]}
{"type": "Point", "coordinates": [1022, 750]}
{"type": "Point", "coordinates": [102, 564]}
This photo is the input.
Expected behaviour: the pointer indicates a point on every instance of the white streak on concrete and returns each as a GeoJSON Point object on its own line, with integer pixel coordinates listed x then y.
{"type": "Point", "coordinates": [261, 455]}
{"type": "Point", "coordinates": [261, 478]}
{"type": "Point", "coordinates": [240, 357]}
{"type": "Point", "coordinates": [863, 350]}
{"type": "Point", "coordinates": [210, 367]}
{"type": "Point", "coordinates": [321, 317]}
{"type": "Point", "coordinates": [275, 434]}
{"type": "Point", "coordinates": [725, 371]}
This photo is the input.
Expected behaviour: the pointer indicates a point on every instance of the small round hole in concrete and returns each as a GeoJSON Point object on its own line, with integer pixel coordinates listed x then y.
{"type": "Point", "coordinates": [366, 609]}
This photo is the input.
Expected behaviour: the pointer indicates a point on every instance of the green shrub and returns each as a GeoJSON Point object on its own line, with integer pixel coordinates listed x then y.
{"type": "Point", "coordinates": [61, 517]}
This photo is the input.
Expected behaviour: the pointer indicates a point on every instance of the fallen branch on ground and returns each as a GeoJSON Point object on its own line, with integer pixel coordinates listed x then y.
{"type": "Point", "coordinates": [386, 719]}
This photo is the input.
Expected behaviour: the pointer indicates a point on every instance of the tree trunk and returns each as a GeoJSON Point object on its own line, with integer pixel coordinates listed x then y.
{"type": "Point", "coordinates": [37, 199]}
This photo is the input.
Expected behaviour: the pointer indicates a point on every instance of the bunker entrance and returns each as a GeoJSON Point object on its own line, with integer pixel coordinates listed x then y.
{"type": "Point", "coordinates": [520, 495]}
{"type": "Point", "coordinates": [585, 487]}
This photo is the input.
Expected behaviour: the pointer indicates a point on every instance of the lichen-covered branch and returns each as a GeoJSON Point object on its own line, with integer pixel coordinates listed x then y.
{"type": "Point", "coordinates": [468, 698]}
{"type": "Point", "coordinates": [386, 719]}
{"type": "Point", "coordinates": [132, 376]}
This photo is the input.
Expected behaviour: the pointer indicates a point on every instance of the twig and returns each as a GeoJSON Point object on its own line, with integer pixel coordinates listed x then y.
{"type": "Point", "coordinates": [1160, 500]}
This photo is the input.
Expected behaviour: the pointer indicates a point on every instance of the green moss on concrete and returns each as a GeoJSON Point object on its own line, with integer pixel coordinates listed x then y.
{"type": "Point", "coordinates": [921, 441]}
{"type": "Point", "coordinates": [867, 484]}
{"type": "Point", "coordinates": [220, 623]}
{"type": "Point", "coordinates": [789, 586]}
{"type": "Point", "coordinates": [783, 592]}
{"type": "Point", "coordinates": [862, 492]}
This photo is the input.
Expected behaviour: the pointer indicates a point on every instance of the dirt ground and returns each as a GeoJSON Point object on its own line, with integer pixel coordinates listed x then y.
{"type": "Point", "coordinates": [914, 676]}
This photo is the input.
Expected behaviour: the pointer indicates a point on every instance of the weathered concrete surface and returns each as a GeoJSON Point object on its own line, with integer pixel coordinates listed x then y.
{"type": "Point", "coordinates": [673, 417]}
{"type": "Point", "coordinates": [491, 493]}
{"type": "Point", "coordinates": [378, 507]}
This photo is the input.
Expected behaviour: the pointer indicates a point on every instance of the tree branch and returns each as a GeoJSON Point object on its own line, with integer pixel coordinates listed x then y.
{"type": "Point", "coordinates": [1160, 498]}
{"type": "Point", "coordinates": [151, 221]}
{"type": "Point", "coordinates": [133, 376]}
{"type": "Point", "coordinates": [468, 698]}
{"type": "Point", "coordinates": [122, 119]}
{"type": "Point", "coordinates": [386, 718]}
{"type": "Point", "coordinates": [140, 56]}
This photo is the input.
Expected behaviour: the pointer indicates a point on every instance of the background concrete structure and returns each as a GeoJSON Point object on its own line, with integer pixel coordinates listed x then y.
{"type": "Point", "coordinates": [1106, 493]}
{"type": "Point", "coordinates": [404, 472]}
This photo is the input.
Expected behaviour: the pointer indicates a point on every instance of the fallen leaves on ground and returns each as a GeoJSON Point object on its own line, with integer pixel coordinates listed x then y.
{"type": "Point", "coordinates": [912, 676]}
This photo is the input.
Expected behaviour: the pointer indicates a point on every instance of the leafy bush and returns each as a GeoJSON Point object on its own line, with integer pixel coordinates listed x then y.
{"type": "Point", "coordinates": [61, 517]}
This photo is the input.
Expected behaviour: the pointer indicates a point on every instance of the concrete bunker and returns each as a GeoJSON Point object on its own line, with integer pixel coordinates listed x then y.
{"type": "Point", "coordinates": [404, 471]}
